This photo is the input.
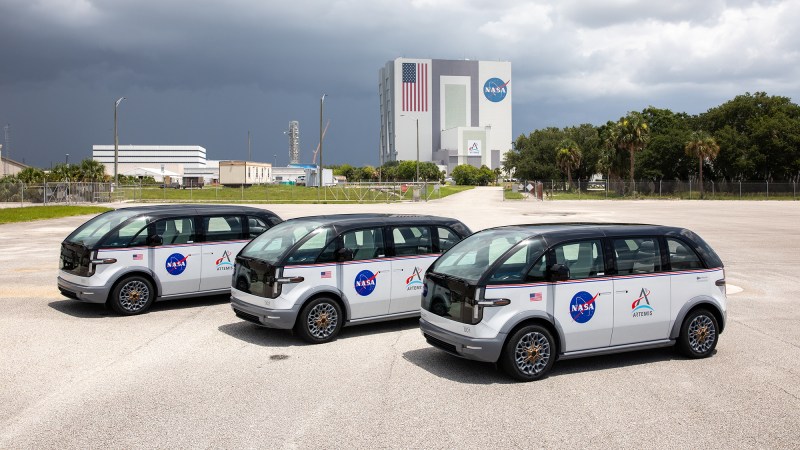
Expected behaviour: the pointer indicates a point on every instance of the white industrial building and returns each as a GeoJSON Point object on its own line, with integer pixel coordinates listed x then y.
{"type": "Point", "coordinates": [151, 158]}
{"type": "Point", "coordinates": [450, 112]}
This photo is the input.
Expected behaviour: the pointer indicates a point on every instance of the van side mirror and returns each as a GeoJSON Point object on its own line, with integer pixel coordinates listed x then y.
{"type": "Point", "coordinates": [558, 272]}
{"type": "Point", "coordinates": [154, 240]}
{"type": "Point", "coordinates": [344, 254]}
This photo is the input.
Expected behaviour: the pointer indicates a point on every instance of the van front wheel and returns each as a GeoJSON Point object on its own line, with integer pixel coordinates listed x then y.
{"type": "Point", "coordinates": [320, 321]}
{"type": "Point", "coordinates": [132, 295]}
{"type": "Point", "coordinates": [529, 354]}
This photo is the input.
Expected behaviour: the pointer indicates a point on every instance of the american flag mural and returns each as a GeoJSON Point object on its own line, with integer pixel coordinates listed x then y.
{"type": "Point", "coordinates": [415, 87]}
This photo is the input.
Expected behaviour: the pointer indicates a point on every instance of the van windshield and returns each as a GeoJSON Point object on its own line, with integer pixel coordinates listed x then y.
{"type": "Point", "coordinates": [271, 245]}
{"type": "Point", "coordinates": [92, 231]}
{"type": "Point", "coordinates": [471, 257]}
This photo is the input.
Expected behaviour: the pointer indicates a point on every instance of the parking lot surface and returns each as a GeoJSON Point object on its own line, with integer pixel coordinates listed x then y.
{"type": "Point", "coordinates": [191, 374]}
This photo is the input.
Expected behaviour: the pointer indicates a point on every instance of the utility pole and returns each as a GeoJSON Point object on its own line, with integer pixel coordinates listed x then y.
{"type": "Point", "coordinates": [249, 152]}
{"type": "Point", "coordinates": [116, 142]}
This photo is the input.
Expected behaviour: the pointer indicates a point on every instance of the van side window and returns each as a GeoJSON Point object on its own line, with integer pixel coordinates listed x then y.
{"type": "Point", "coordinates": [223, 228]}
{"type": "Point", "coordinates": [637, 255]}
{"type": "Point", "coordinates": [538, 271]}
{"type": "Point", "coordinates": [412, 240]}
{"type": "Point", "coordinates": [255, 226]}
{"type": "Point", "coordinates": [681, 257]}
{"type": "Point", "coordinates": [178, 230]}
{"type": "Point", "coordinates": [125, 236]}
{"type": "Point", "coordinates": [584, 258]}
{"type": "Point", "coordinates": [447, 239]}
{"type": "Point", "coordinates": [512, 270]}
{"type": "Point", "coordinates": [310, 250]}
{"type": "Point", "coordinates": [365, 244]}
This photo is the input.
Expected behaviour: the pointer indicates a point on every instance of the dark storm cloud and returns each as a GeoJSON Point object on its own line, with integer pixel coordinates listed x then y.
{"type": "Point", "coordinates": [204, 73]}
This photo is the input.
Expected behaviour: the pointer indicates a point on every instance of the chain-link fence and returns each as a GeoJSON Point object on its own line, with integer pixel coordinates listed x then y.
{"type": "Point", "coordinates": [70, 193]}
{"type": "Point", "coordinates": [721, 190]}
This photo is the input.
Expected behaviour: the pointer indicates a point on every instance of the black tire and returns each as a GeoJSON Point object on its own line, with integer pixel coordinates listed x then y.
{"type": "Point", "coordinates": [132, 295]}
{"type": "Point", "coordinates": [319, 321]}
{"type": "Point", "coordinates": [699, 334]}
{"type": "Point", "coordinates": [529, 353]}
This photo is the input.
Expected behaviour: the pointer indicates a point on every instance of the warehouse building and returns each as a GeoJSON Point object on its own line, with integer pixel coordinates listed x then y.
{"type": "Point", "coordinates": [151, 158]}
{"type": "Point", "coordinates": [449, 112]}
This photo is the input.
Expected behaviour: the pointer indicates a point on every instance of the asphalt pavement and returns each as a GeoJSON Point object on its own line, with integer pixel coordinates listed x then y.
{"type": "Point", "coordinates": [191, 374]}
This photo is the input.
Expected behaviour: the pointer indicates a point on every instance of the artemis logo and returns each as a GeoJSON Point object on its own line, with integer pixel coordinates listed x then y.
{"type": "Point", "coordinates": [225, 263]}
{"type": "Point", "coordinates": [640, 309]}
{"type": "Point", "coordinates": [414, 282]}
{"type": "Point", "coordinates": [495, 89]}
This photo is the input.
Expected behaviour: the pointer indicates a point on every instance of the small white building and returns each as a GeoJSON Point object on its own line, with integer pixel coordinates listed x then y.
{"type": "Point", "coordinates": [237, 173]}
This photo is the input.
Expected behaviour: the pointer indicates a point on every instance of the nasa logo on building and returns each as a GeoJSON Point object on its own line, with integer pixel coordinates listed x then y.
{"type": "Point", "coordinates": [495, 89]}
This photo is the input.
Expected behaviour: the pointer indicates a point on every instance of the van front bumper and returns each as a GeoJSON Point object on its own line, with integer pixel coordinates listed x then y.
{"type": "Point", "coordinates": [88, 294]}
{"type": "Point", "coordinates": [272, 318]}
{"type": "Point", "coordinates": [487, 350]}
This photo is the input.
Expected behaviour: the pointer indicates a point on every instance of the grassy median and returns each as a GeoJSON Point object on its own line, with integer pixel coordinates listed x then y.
{"type": "Point", "coordinates": [30, 213]}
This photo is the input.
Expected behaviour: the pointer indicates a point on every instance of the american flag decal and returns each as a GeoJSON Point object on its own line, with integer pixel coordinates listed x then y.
{"type": "Point", "coordinates": [415, 87]}
{"type": "Point", "coordinates": [325, 274]}
{"type": "Point", "coordinates": [536, 297]}
{"type": "Point", "coordinates": [137, 256]}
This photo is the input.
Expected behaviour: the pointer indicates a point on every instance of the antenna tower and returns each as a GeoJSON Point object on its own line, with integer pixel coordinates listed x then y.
{"type": "Point", "coordinates": [294, 142]}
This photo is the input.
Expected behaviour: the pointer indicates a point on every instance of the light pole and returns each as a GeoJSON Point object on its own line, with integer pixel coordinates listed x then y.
{"type": "Point", "coordinates": [67, 160]}
{"type": "Point", "coordinates": [321, 103]}
{"type": "Point", "coordinates": [116, 142]}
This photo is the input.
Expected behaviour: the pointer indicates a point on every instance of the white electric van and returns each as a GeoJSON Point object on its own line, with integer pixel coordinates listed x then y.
{"type": "Point", "coordinates": [524, 296]}
{"type": "Point", "coordinates": [131, 257]}
{"type": "Point", "coordinates": [317, 274]}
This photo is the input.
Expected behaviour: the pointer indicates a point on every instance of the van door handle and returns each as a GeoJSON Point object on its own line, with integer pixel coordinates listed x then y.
{"type": "Point", "coordinates": [606, 293]}
{"type": "Point", "coordinates": [622, 292]}
{"type": "Point", "coordinates": [705, 278]}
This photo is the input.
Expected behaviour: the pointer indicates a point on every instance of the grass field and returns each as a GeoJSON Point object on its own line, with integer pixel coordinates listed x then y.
{"type": "Point", "coordinates": [27, 214]}
{"type": "Point", "coordinates": [287, 194]}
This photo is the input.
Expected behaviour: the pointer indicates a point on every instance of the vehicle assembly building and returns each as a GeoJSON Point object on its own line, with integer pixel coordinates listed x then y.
{"type": "Point", "coordinates": [449, 112]}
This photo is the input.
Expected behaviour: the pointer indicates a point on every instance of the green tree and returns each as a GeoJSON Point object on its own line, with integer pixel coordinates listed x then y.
{"type": "Point", "coordinates": [92, 170]}
{"type": "Point", "coordinates": [703, 147]}
{"type": "Point", "coordinates": [465, 174]}
{"type": "Point", "coordinates": [31, 175]}
{"type": "Point", "coordinates": [568, 158]}
{"type": "Point", "coordinates": [633, 135]}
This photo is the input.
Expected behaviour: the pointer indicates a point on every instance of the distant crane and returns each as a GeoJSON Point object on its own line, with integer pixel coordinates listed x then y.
{"type": "Point", "coordinates": [314, 159]}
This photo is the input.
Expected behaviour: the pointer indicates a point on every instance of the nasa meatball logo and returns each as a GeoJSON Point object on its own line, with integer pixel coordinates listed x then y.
{"type": "Point", "coordinates": [582, 307]}
{"type": "Point", "coordinates": [495, 89]}
{"type": "Point", "coordinates": [365, 282]}
{"type": "Point", "coordinates": [176, 263]}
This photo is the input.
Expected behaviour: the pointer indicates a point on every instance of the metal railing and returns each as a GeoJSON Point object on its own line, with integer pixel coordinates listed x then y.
{"type": "Point", "coordinates": [690, 189]}
{"type": "Point", "coordinates": [73, 193]}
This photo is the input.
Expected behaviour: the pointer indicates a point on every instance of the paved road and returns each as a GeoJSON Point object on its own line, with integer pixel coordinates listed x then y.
{"type": "Point", "coordinates": [190, 374]}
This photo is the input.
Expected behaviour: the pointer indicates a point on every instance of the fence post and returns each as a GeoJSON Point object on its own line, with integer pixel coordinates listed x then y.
{"type": "Point", "coordinates": [659, 188]}
{"type": "Point", "coordinates": [579, 188]}
{"type": "Point", "coordinates": [794, 191]}
{"type": "Point", "coordinates": [767, 188]}
{"type": "Point", "coordinates": [44, 193]}
{"type": "Point", "coordinates": [713, 190]}
{"type": "Point", "coordinates": [242, 186]}
{"type": "Point", "coordinates": [690, 188]}
{"type": "Point", "coordinates": [21, 194]}
{"type": "Point", "coordinates": [740, 189]}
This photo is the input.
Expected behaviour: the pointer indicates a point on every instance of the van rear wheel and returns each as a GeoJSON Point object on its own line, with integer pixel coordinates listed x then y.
{"type": "Point", "coordinates": [699, 334]}
{"type": "Point", "coordinates": [320, 321]}
{"type": "Point", "coordinates": [529, 354]}
{"type": "Point", "coordinates": [132, 295]}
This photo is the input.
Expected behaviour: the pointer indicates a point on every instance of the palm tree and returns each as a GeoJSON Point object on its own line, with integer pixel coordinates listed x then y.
{"type": "Point", "coordinates": [568, 157]}
{"type": "Point", "coordinates": [31, 175]}
{"type": "Point", "coordinates": [92, 170]}
{"type": "Point", "coordinates": [633, 135]}
{"type": "Point", "coordinates": [702, 146]}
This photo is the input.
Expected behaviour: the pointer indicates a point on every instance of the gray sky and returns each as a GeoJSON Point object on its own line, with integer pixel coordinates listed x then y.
{"type": "Point", "coordinates": [197, 72]}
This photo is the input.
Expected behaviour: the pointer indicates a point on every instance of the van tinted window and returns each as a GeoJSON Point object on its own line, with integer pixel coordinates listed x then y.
{"type": "Point", "coordinates": [584, 258]}
{"type": "Point", "coordinates": [681, 256]}
{"type": "Point", "coordinates": [123, 237]}
{"type": "Point", "coordinates": [223, 228]}
{"type": "Point", "coordinates": [412, 240]}
{"type": "Point", "coordinates": [637, 255]}
{"type": "Point", "coordinates": [365, 244]}
{"type": "Point", "coordinates": [512, 270]}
